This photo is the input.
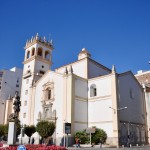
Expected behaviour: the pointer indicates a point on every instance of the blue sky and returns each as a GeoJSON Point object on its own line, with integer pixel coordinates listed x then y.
{"type": "Point", "coordinates": [113, 31]}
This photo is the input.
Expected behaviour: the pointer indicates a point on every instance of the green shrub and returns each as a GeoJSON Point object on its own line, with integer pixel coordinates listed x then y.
{"type": "Point", "coordinates": [45, 128]}
{"type": "Point", "coordinates": [99, 136]}
{"type": "Point", "coordinates": [4, 131]}
{"type": "Point", "coordinates": [29, 130]}
{"type": "Point", "coordinates": [82, 135]}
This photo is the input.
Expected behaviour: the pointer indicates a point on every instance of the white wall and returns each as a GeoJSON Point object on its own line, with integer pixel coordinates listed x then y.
{"type": "Point", "coordinates": [79, 68]}
{"type": "Point", "coordinates": [58, 98]}
{"type": "Point", "coordinates": [38, 66]}
{"type": "Point", "coordinates": [95, 70]}
{"type": "Point", "coordinates": [135, 106]}
{"type": "Point", "coordinates": [103, 85]}
{"type": "Point", "coordinates": [26, 97]}
{"type": "Point", "coordinates": [80, 104]}
{"type": "Point", "coordinates": [29, 66]}
{"type": "Point", "coordinates": [99, 113]}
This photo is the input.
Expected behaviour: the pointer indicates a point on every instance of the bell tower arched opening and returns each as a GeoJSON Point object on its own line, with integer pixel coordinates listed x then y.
{"type": "Point", "coordinates": [28, 55]}
{"type": "Point", "coordinates": [40, 51]}
{"type": "Point", "coordinates": [33, 51]}
{"type": "Point", "coordinates": [47, 55]}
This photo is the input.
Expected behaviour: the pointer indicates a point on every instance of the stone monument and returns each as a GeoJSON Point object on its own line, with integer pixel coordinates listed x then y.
{"type": "Point", "coordinates": [13, 120]}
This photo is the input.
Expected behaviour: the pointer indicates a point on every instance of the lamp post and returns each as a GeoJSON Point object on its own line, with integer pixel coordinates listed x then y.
{"type": "Point", "coordinates": [118, 109]}
{"type": "Point", "coordinates": [117, 121]}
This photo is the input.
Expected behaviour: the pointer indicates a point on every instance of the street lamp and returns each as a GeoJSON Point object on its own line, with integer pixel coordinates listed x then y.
{"type": "Point", "coordinates": [118, 109]}
{"type": "Point", "coordinates": [115, 110]}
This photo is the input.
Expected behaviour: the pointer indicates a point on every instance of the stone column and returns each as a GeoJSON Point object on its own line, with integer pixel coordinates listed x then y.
{"type": "Point", "coordinates": [12, 133]}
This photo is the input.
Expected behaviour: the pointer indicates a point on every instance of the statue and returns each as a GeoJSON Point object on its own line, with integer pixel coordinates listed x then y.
{"type": "Point", "coordinates": [13, 120]}
{"type": "Point", "coordinates": [17, 104]}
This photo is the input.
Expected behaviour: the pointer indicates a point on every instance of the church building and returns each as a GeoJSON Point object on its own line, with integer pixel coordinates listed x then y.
{"type": "Point", "coordinates": [84, 93]}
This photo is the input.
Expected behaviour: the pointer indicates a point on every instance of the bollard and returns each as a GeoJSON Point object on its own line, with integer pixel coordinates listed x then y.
{"type": "Point", "coordinates": [122, 146]}
{"type": "Point", "coordinates": [100, 145]}
{"type": "Point", "coordinates": [137, 145]}
{"type": "Point", "coordinates": [130, 145]}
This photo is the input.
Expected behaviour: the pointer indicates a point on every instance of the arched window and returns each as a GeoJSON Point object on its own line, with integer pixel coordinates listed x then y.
{"type": "Point", "coordinates": [47, 55]}
{"type": "Point", "coordinates": [93, 90]}
{"type": "Point", "coordinates": [49, 94]}
{"type": "Point", "coordinates": [48, 91]}
{"type": "Point", "coordinates": [33, 51]}
{"type": "Point", "coordinates": [28, 54]}
{"type": "Point", "coordinates": [39, 52]}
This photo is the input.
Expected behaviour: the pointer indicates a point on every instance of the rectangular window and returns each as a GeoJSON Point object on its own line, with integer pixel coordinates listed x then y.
{"type": "Point", "coordinates": [26, 92]}
{"type": "Point", "coordinates": [18, 80]}
{"type": "Point", "coordinates": [24, 115]}
{"type": "Point", "coordinates": [131, 94]}
{"type": "Point", "coordinates": [17, 85]}
{"type": "Point", "coordinates": [25, 103]}
{"type": "Point", "coordinates": [27, 81]}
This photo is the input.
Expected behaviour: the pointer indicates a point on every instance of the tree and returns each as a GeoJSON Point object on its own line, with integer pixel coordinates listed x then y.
{"type": "Point", "coordinates": [29, 130]}
{"type": "Point", "coordinates": [45, 128]}
{"type": "Point", "coordinates": [82, 135]}
{"type": "Point", "coordinates": [4, 131]}
{"type": "Point", "coordinates": [99, 136]}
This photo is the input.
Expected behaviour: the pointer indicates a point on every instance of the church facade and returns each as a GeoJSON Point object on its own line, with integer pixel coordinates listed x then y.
{"type": "Point", "coordinates": [84, 93]}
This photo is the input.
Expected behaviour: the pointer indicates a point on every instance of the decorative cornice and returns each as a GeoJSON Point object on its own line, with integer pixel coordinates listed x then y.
{"type": "Point", "coordinates": [39, 40]}
{"type": "Point", "coordinates": [81, 98]}
{"type": "Point", "coordinates": [37, 58]}
{"type": "Point", "coordinates": [99, 98]}
{"type": "Point", "coordinates": [99, 122]}
{"type": "Point", "coordinates": [80, 122]}
{"type": "Point", "coordinates": [100, 77]}
{"type": "Point", "coordinates": [131, 123]}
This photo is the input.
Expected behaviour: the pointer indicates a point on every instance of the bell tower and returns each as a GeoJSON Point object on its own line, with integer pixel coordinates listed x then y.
{"type": "Point", "coordinates": [37, 61]}
{"type": "Point", "coordinates": [38, 56]}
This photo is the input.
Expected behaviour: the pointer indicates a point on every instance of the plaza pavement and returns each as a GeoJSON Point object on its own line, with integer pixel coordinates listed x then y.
{"type": "Point", "coordinates": [104, 147]}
